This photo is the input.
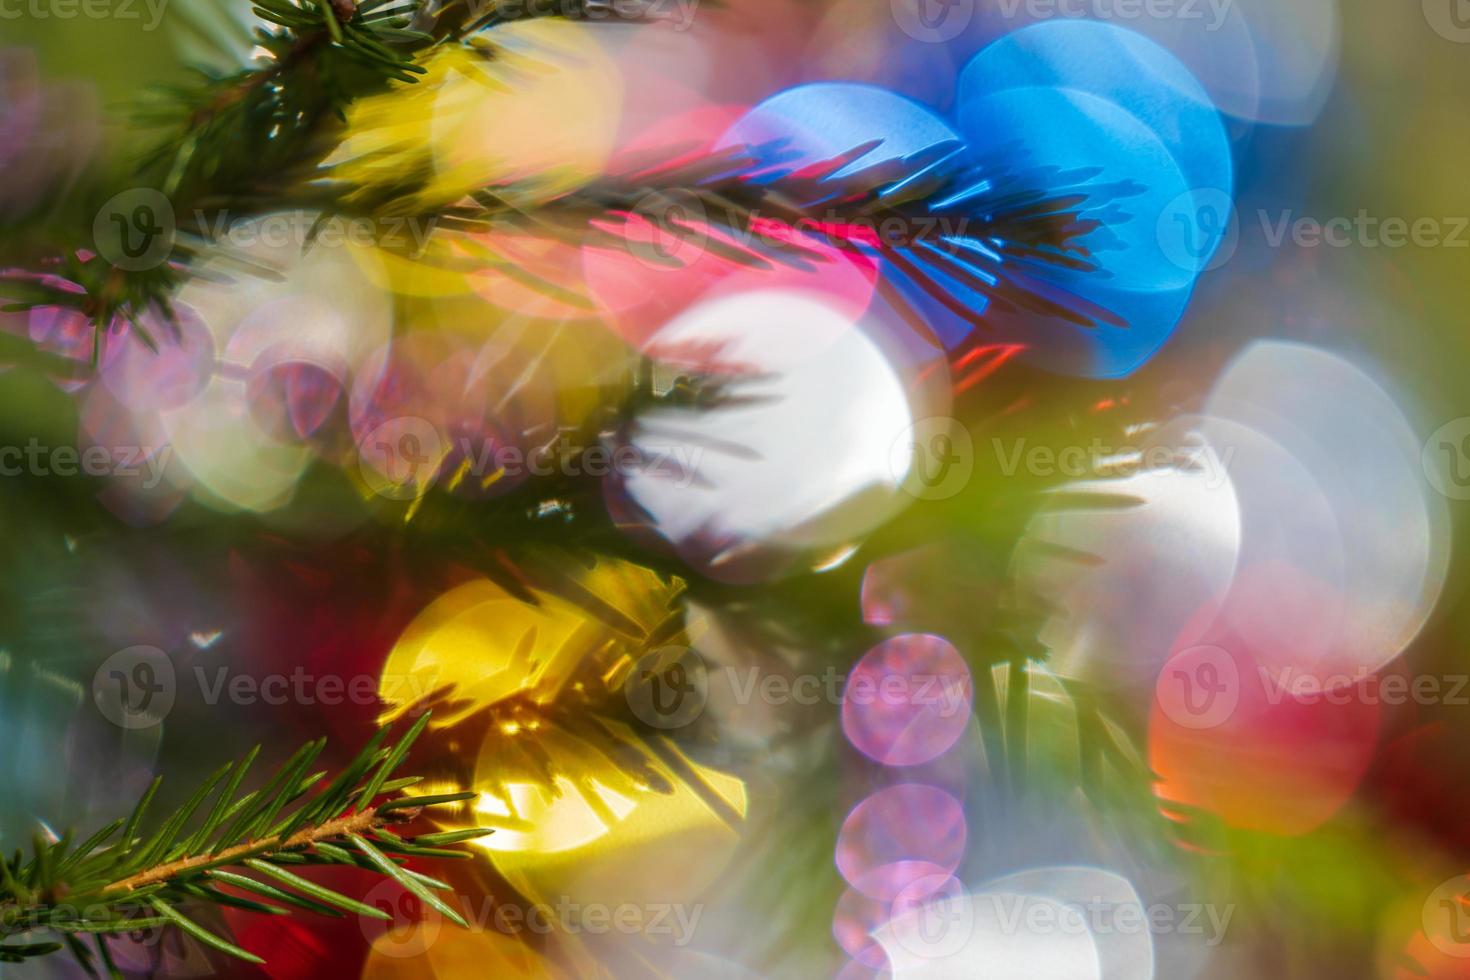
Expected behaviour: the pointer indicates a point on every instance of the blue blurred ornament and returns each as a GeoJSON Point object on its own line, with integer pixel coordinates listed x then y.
{"type": "Point", "coordinates": [1134, 186]}
{"type": "Point", "coordinates": [893, 181]}
{"type": "Point", "coordinates": [1124, 110]}
{"type": "Point", "coordinates": [811, 124]}
{"type": "Point", "coordinates": [808, 126]}
{"type": "Point", "coordinates": [1072, 218]}
{"type": "Point", "coordinates": [1124, 68]}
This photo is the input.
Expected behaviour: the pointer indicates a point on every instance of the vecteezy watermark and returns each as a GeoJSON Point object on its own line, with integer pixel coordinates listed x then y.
{"type": "Point", "coordinates": [139, 686]}
{"type": "Point", "coordinates": [1097, 916]}
{"type": "Point", "coordinates": [1201, 230]}
{"type": "Point", "coordinates": [138, 228]}
{"type": "Point", "coordinates": [35, 459]}
{"type": "Point", "coordinates": [402, 457]}
{"type": "Point", "coordinates": [1364, 686]}
{"type": "Point", "coordinates": [933, 21]}
{"type": "Point", "coordinates": [135, 687]}
{"type": "Point", "coordinates": [1446, 459]}
{"type": "Point", "coordinates": [150, 12]}
{"type": "Point", "coordinates": [1363, 230]}
{"type": "Point", "coordinates": [135, 230]}
{"type": "Point", "coordinates": [670, 688]}
{"type": "Point", "coordinates": [1212, 14]}
{"type": "Point", "coordinates": [667, 229]}
{"type": "Point", "coordinates": [935, 917]}
{"type": "Point", "coordinates": [940, 924]}
{"type": "Point", "coordinates": [933, 459]}
{"type": "Point", "coordinates": [149, 950]}
{"type": "Point", "coordinates": [1201, 687]}
{"type": "Point", "coordinates": [412, 926]}
{"type": "Point", "coordinates": [1096, 459]}
{"type": "Point", "coordinates": [1446, 917]}
{"type": "Point", "coordinates": [401, 233]}
{"type": "Point", "coordinates": [1450, 19]}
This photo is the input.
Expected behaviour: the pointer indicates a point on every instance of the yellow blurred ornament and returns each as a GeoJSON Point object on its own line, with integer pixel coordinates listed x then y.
{"type": "Point", "coordinates": [534, 113]}
{"type": "Point", "coordinates": [597, 836]}
{"type": "Point", "coordinates": [531, 116]}
{"type": "Point", "coordinates": [586, 810]}
{"type": "Point", "coordinates": [542, 112]}
{"type": "Point", "coordinates": [425, 949]}
{"type": "Point", "coordinates": [565, 639]}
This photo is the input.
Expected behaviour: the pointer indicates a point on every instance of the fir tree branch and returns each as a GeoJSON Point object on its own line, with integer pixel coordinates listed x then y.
{"type": "Point", "coordinates": [257, 142]}
{"type": "Point", "coordinates": [141, 880]}
{"type": "Point", "coordinates": [323, 833]}
{"type": "Point", "coordinates": [244, 143]}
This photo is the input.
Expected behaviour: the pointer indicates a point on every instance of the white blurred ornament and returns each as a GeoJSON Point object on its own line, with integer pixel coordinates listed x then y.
{"type": "Point", "coordinates": [796, 459]}
{"type": "Point", "coordinates": [1378, 555]}
{"type": "Point", "coordinates": [1123, 562]}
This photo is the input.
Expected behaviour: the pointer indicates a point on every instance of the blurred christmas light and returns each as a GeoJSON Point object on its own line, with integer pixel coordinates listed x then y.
{"type": "Point", "coordinates": [907, 700]}
{"type": "Point", "coordinates": [782, 359]}
{"type": "Point", "coordinates": [900, 835]}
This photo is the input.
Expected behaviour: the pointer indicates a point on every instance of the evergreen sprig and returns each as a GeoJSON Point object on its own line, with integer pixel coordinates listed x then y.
{"type": "Point", "coordinates": [123, 879]}
{"type": "Point", "coordinates": [258, 141]}
{"type": "Point", "coordinates": [240, 143]}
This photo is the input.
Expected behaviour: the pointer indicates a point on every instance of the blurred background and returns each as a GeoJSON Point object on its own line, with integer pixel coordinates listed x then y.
{"type": "Point", "coordinates": [1180, 658]}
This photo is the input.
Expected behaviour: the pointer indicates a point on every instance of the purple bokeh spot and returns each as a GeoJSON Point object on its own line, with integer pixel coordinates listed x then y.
{"type": "Point", "coordinates": [907, 700]}
{"type": "Point", "coordinates": [898, 836]}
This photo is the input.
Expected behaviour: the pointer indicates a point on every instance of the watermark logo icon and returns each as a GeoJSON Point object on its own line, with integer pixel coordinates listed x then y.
{"type": "Point", "coordinates": [135, 687]}
{"type": "Point", "coordinates": [135, 229]}
{"type": "Point", "coordinates": [1446, 917]}
{"type": "Point", "coordinates": [1450, 19]}
{"type": "Point", "coordinates": [1199, 230]}
{"type": "Point", "coordinates": [1446, 459]}
{"type": "Point", "coordinates": [1199, 688]}
{"type": "Point", "coordinates": [668, 688]}
{"type": "Point", "coordinates": [933, 21]}
{"type": "Point", "coordinates": [412, 925]}
{"type": "Point", "coordinates": [933, 459]}
{"type": "Point", "coordinates": [400, 458]}
{"type": "Point", "coordinates": [667, 229]}
{"type": "Point", "coordinates": [936, 917]}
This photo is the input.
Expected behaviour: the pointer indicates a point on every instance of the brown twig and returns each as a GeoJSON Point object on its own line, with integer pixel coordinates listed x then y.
{"type": "Point", "coordinates": [352, 823]}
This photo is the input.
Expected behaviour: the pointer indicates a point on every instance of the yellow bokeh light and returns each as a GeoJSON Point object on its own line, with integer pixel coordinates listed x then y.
{"type": "Point", "coordinates": [427, 949]}
{"type": "Point", "coordinates": [490, 645]}
{"type": "Point", "coordinates": [581, 805]}
{"type": "Point", "coordinates": [598, 837]}
{"type": "Point", "coordinates": [538, 109]}
{"type": "Point", "coordinates": [543, 111]}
